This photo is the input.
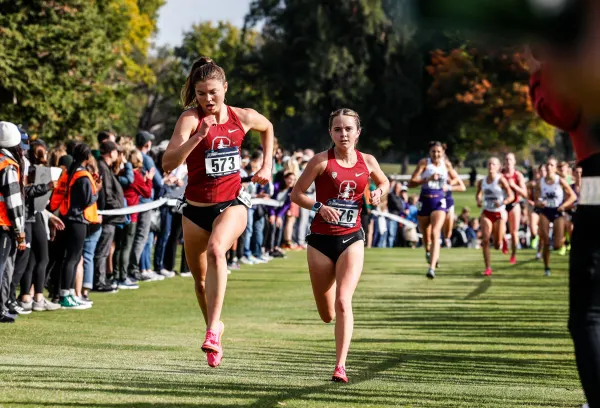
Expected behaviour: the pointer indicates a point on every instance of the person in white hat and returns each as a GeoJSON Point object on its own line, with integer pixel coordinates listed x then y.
{"type": "Point", "coordinates": [12, 210]}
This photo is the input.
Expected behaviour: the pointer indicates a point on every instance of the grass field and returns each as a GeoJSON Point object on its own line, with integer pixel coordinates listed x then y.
{"type": "Point", "coordinates": [458, 341]}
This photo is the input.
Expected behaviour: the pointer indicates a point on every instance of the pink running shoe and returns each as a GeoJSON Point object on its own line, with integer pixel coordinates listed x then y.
{"type": "Point", "coordinates": [488, 272]}
{"type": "Point", "coordinates": [339, 375]}
{"type": "Point", "coordinates": [212, 346]}
{"type": "Point", "coordinates": [214, 359]}
{"type": "Point", "coordinates": [505, 246]}
{"type": "Point", "coordinates": [513, 260]}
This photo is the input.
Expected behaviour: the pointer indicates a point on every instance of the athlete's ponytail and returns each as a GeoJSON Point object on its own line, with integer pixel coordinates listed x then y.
{"type": "Point", "coordinates": [203, 69]}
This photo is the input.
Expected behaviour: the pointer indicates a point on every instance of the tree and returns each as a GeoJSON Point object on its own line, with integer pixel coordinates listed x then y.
{"type": "Point", "coordinates": [480, 99]}
{"type": "Point", "coordinates": [68, 67]}
{"type": "Point", "coordinates": [339, 54]}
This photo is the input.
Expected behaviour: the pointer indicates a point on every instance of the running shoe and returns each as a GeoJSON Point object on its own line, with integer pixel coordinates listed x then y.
{"type": "Point", "coordinates": [513, 260]}
{"type": "Point", "coordinates": [431, 274]}
{"type": "Point", "coordinates": [547, 272]}
{"type": "Point", "coordinates": [212, 346]}
{"type": "Point", "coordinates": [339, 374]}
{"type": "Point", "coordinates": [488, 272]}
{"type": "Point", "coordinates": [535, 242]}
{"type": "Point", "coordinates": [562, 251]}
{"type": "Point", "coordinates": [448, 243]}
{"type": "Point", "coordinates": [538, 255]}
{"type": "Point", "coordinates": [505, 246]}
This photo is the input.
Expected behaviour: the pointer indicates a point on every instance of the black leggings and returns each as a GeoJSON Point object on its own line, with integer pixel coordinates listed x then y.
{"type": "Point", "coordinates": [38, 258]}
{"type": "Point", "coordinates": [21, 261]}
{"type": "Point", "coordinates": [75, 234]}
{"type": "Point", "coordinates": [172, 244]}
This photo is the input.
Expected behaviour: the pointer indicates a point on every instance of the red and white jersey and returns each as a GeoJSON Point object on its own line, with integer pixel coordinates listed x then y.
{"type": "Point", "coordinates": [515, 178]}
{"type": "Point", "coordinates": [214, 165]}
{"type": "Point", "coordinates": [343, 189]}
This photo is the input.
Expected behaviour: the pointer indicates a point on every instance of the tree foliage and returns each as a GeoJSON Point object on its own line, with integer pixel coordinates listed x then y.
{"type": "Point", "coordinates": [69, 66]}
{"type": "Point", "coordinates": [482, 99]}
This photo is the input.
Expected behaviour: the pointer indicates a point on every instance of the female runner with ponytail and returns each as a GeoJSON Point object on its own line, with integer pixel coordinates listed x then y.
{"type": "Point", "coordinates": [209, 135]}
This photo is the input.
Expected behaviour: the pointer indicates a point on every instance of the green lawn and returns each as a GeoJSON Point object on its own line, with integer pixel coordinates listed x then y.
{"type": "Point", "coordinates": [458, 341]}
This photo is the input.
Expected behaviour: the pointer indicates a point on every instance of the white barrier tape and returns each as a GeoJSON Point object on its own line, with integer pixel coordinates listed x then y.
{"type": "Point", "coordinates": [135, 209]}
{"type": "Point", "coordinates": [172, 202]}
{"type": "Point", "coordinates": [406, 177]}
{"type": "Point", "coordinates": [398, 219]}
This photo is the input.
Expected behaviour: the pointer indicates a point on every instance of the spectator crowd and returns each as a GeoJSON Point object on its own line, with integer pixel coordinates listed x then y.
{"type": "Point", "coordinates": [71, 233]}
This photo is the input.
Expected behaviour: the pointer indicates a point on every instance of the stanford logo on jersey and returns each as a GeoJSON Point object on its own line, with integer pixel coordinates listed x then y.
{"type": "Point", "coordinates": [347, 188]}
{"type": "Point", "coordinates": [222, 142]}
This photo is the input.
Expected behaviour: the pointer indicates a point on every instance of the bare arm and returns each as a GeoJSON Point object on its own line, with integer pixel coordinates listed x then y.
{"type": "Point", "coordinates": [383, 184]}
{"type": "Point", "coordinates": [457, 183]}
{"type": "Point", "coordinates": [479, 194]}
{"type": "Point", "coordinates": [252, 120]}
{"type": "Point", "coordinates": [510, 195]}
{"type": "Point", "coordinates": [570, 196]}
{"type": "Point", "coordinates": [315, 167]}
{"type": "Point", "coordinates": [537, 194]}
{"type": "Point", "coordinates": [520, 187]}
{"type": "Point", "coordinates": [416, 180]}
{"type": "Point", "coordinates": [182, 142]}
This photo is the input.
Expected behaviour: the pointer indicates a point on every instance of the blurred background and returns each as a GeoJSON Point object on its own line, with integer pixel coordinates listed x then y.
{"type": "Point", "coordinates": [71, 68]}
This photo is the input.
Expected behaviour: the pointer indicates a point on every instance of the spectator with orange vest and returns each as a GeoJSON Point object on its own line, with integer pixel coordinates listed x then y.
{"type": "Point", "coordinates": [77, 206]}
{"type": "Point", "coordinates": [12, 209]}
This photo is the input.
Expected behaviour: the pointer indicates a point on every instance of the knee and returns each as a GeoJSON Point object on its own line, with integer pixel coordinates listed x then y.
{"type": "Point", "coordinates": [215, 252]}
{"type": "Point", "coordinates": [343, 305]}
{"type": "Point", "coordinates": [485, 242]}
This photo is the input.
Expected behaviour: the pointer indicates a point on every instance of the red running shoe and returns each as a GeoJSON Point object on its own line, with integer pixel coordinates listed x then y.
{"type": "Point", "coordinates": [212, 346]}
{"type": "Point", "coordinates": [488, 272]}
{"type": "Point", "coordinates": [505, 246]}
{"type": "Point", "coordinates": [513, 260]}
{"type": "Point", "coordinates": [339, 375]}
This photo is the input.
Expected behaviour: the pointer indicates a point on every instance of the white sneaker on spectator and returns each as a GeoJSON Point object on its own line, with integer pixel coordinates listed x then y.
{"type": "Point", "coordinates": [185, 274]}
{"type": "Point", "coordinates": [148, 276]}
{"type": "Point", "coordinates": [158, 276]}
{"type": "Point", "coordinates": [256, 260]}
{"type": "Point", "coordinates": [26, 305]}
{"type": "Point", "coordinates": [246, 261]}
{"type": "Point", "coordinates": [166, 273]}
{"type": "Point", "coordinates": [84, 302]}
{"type": "Point", "coordinates": [45, 305]}
{"type": "Point", "coordinates": [264, 259]}
{"type": "Point", "coordinates": [585, 406]}
{"type": "Point", "coordinates": [267, 256]}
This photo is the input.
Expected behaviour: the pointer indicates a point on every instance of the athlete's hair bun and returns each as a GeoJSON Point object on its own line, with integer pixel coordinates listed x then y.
{"type": "Point", "coordinates": [201, 62]}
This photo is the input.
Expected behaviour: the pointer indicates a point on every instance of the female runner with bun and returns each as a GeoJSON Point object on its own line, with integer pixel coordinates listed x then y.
{"type": "Point", "coordinates": [516, 181]}
{"type": "Point", "coordinates": [493, 195]}
{"type": "Point", "coordinates": [336, 240]}
{"type": "Point", "coordinates": [209, 135]}
{"type": "Point", "coordinates": [553, 196]}
{"type": "Point", "coordinates": [436, 176]}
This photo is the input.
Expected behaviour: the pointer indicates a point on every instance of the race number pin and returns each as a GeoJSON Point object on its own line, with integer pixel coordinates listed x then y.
{"type": "Point", "coordinates": [334, 175]}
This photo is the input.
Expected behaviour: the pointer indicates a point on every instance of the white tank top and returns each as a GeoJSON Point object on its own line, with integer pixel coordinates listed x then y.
{"type": "Point", "coordinates": [492, 194]}
{"type": "Point", "coordinates": [552, 194]}
{"type": "Point", "coordinates": [432, 169]}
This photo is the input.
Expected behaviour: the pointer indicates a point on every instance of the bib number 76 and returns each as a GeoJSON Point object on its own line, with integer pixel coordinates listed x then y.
{"type": "Point", "coordinates": [347, 216]}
